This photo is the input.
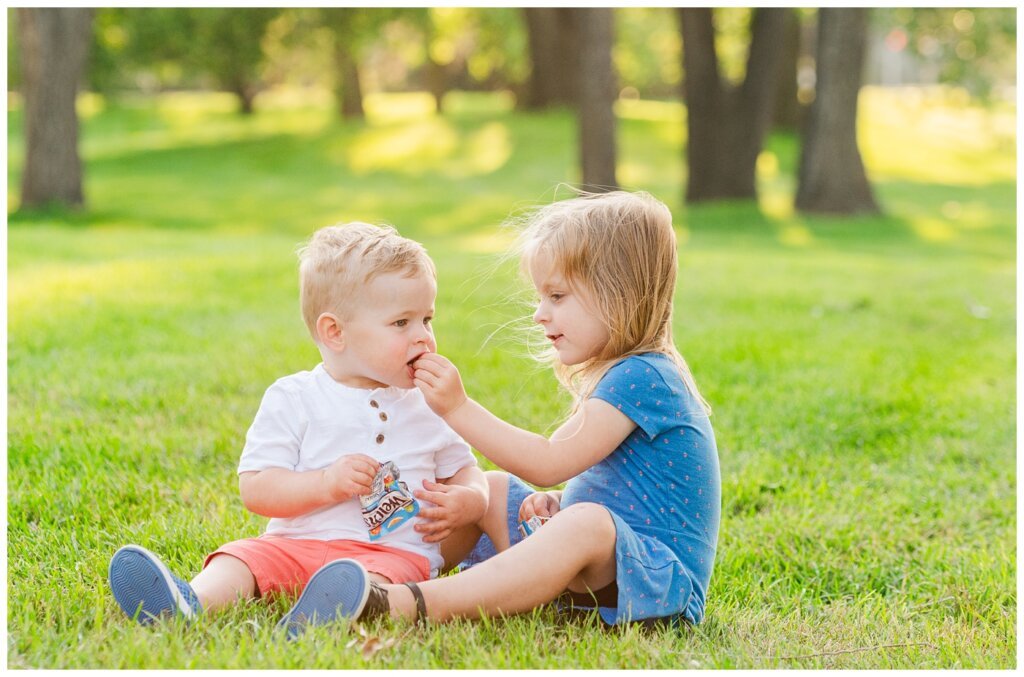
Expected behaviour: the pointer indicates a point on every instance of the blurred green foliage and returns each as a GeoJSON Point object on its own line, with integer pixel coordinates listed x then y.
{"type": "Point", "coordinates": [975, 48]}
{"type": "Point", "coordinates": [165, 48]}
{"type": "Point", "coordinates": [155, 48]}
{"type": "Point", "coordinates": [648, 51]}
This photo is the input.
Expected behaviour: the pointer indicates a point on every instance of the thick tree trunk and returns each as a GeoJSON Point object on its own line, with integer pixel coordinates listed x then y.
{"type": "Point", "coordinates": [788, 111]}
{"type": "Point", "coordinates": [832, 177]}
{"type": "Point", "coordinates": [725, 124]}
{"type": "Point", "coordinates": [246, 95]}
{"type": "Point", "coordinates": [554, 55]}
{"type": "Point", "coordinates": [540, 28]}
{"type": "Point", "coordinates": [703, 91]}
{"type": "Point", "coordinates": [54, 43]}
{"type": "Point", "coordinates": [347, 89]}
{"type": "Point", "coordinates": [597, 96]}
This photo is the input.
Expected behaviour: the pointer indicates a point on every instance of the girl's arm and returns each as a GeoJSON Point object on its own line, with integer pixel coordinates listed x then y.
{"type": "Point", "coordinates": [545, 503]}
{"type": "Point", "coordinates": [588, 436]}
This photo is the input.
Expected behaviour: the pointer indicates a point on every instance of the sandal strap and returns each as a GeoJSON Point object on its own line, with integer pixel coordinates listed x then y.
{"type": "Point", "coordinates": [421, 604]}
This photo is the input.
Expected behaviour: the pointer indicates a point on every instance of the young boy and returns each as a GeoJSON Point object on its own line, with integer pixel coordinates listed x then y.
{"type": "Point", "coordinates": [333, 453]}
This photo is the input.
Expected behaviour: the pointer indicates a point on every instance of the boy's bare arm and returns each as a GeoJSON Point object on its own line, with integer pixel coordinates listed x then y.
{"type": "Point", "coordinates": [471, 477]}
{"type": "Point", "coordinates": [459, 500]}
{"type": "Point", "coordinates": [279, 492]}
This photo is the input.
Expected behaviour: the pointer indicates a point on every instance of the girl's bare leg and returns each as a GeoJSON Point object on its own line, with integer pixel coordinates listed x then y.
{"type": "Point", "coordinates": [494, 523]}
{"type": "Point", "coordinates": [574, 550]}
{"type": "Point", "coordinates": [223, 582]}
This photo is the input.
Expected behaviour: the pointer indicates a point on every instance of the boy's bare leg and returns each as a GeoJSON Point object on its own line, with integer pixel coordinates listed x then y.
{"type": "Point", "coordinates": [574, 550]}
{"type": "Point", "coordinates": [227, 579]}
{"type": "Point", "coordinates": [494, 523]}
{"type": "Point", "coordinates": [223, 582]}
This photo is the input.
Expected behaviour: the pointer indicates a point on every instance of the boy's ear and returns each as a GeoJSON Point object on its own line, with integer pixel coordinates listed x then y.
{"type": "Point", "coordinates": [329, 332]}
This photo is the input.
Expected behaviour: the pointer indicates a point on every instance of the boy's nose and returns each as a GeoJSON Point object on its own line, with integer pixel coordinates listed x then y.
{"type": "Point", "coordinates": [424, 336]}
{"type": "Point", "coordinates": [427, 341]}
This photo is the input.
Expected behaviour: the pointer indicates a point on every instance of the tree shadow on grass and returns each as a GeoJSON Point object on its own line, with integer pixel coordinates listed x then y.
{"type": "Point", "coordinates": [297, 182]}
{"type": "Point", "coordinates": [464, 173]}
{"type": "Point", "coordinates": [59, 215]}
{"type": "Point", "coordinates": [918, 219]}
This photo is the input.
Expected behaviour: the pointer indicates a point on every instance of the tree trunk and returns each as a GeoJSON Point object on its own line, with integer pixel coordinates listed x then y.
{"type": "Point", "coordinates": [788, 111]}
{"type": "Point", "coordinates": [596, 98]}
{"type": "Point", "coordinates": [726, 124]}
{"type": "Point", "coordinates": [554, 56]}
{"type": "Point", "coordinates": [437, 83]}
{"type": "Point", "coordinates": [246, 95]}
{"type": "Point", "coordinates": [54, 43]}
{"type": "Point", "coordinates": [832, 178]}
{"type": "Point", "coordinates": [347, 89]}
{"type": "Point", "coordinates": [540, 90]}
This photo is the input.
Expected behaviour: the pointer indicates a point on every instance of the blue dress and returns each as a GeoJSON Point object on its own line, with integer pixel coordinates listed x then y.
{"type": "Point", "coordinates": [662, 488]}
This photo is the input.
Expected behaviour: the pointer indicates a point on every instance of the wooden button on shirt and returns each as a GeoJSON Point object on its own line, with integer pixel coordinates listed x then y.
{"type": "Point", "coordinates": [380, 439]}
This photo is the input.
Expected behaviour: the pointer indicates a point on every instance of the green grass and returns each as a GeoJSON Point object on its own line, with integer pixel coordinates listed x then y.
{"type": "Point", "coordinates": [861, 372]}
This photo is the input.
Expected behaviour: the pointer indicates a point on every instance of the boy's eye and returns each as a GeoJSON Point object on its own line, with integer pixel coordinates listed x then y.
{"type": "Point", "coordinates": [426, 320]}
{"type": "Point", "coordinates": [401, 323]}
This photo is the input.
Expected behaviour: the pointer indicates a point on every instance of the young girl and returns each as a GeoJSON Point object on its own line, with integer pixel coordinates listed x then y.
{"type": "Point", "coordinates": [635, 530]}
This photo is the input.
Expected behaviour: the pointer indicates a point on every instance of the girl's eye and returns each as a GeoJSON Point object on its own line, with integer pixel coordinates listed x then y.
{"type": "Point", "coordinates": [401, 323]}
{"type": "Point", "coordinates": [555, 297]}
{"type": "Point", "coordinates": [426, 320]}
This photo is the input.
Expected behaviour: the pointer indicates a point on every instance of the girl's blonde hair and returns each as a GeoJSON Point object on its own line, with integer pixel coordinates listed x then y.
{"type": "Point", "coordinates": [621, 248]}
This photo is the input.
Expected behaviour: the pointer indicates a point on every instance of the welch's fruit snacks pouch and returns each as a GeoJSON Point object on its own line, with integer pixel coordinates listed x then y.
{"type": "Point", "coordinates": [389, 505]}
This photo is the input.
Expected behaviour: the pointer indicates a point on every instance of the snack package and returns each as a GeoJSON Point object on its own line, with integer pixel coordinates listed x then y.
{"type": "Point", "coordinates": [389, 505]}
{"type": "Point", "coordinates": [527, 527]}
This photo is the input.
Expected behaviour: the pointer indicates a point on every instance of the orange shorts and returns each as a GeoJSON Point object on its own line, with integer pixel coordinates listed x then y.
{"type": "Point", "coordinates": [282, 564]}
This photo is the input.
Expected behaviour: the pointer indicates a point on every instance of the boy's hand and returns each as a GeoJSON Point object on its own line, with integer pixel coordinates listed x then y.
{"type": "Point", "coordinates": [455, 507]}
{"type": "Point", "coordinates": [439, 381]}
{"type": "Point", "coordinates": [350, 476]}
{"type": "Point", "coordinates": [543, 503]}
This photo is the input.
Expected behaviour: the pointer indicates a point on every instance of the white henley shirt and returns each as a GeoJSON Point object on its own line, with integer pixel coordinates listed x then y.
{"type": "Point", "coordinates": [308, 420]}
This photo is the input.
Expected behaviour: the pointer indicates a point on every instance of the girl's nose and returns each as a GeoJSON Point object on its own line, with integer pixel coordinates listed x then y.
{"type": "Point", "coordinates": [539, 316]}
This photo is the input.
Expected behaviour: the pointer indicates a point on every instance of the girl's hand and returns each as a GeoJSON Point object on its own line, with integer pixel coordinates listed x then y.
{"type": "Point", "coordinates": [455, 507]}
{"type": "Point", "coordinates": [543, 503]}
{"type": "Point", "coordinates": [350, 476]}
{"type": "Point", "coordinates": [439, 381]}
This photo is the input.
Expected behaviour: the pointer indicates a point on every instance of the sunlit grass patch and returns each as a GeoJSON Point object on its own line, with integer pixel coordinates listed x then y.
{"type": "Point", "coordinates": [965, 145]}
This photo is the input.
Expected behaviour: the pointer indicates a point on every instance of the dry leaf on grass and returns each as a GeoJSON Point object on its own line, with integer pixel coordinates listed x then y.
{"type": "Point", "coordinates": [370, 645]}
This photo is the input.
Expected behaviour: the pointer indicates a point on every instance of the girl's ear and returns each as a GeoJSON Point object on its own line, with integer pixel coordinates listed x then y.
{"type": "Point", "coordinates": [329, 332]}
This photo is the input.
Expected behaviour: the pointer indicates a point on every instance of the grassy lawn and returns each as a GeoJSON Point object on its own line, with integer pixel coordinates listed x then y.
{"type": "Point", "coordinates": [862, 374]}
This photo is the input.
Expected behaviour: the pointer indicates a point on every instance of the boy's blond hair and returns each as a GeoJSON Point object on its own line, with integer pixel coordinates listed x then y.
{"type": "Point", "coordinates": [339, 260]}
